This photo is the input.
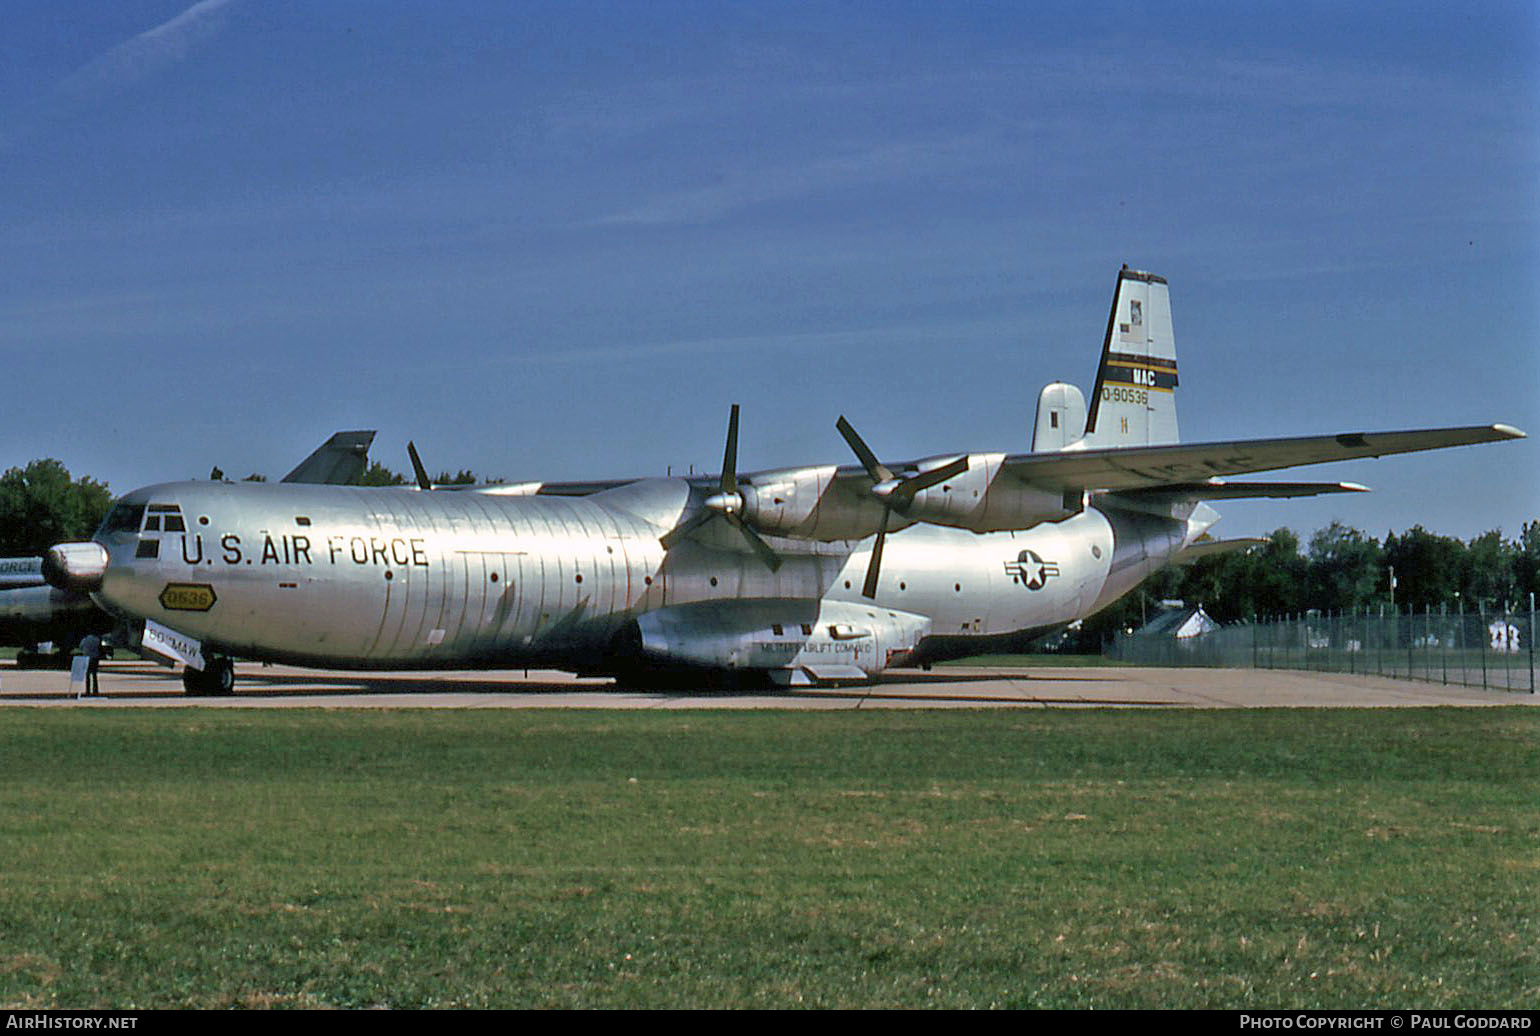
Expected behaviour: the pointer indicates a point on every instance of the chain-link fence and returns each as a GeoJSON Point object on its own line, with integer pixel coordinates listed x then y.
{"type": "Point", "coordinates": [1495, 651]}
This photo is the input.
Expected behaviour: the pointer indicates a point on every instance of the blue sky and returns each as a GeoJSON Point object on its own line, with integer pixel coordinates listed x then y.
{"type": "Point", "coordinates": [560, 240]}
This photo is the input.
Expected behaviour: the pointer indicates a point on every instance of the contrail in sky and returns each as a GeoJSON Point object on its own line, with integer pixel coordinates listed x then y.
{"type": "Point", "coordinates": [148, 51]}
{"type": "Point", "coordinates": [126, 64]}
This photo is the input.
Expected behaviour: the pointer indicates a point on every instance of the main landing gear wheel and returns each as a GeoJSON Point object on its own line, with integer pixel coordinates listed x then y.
{"type": "Point", "coordinates": [217, 677]}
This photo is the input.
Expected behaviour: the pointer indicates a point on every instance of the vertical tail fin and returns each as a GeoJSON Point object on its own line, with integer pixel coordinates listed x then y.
{"type": "Point", "coordinates": [339, 461]}
{"type": "Point", "coordinates": [1134, 400]}
{"type": "Point", "coordinates": [1060, 418]}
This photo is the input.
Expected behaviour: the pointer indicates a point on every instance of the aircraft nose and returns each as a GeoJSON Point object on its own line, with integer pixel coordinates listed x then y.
{"type": "Point", "coordinates": [75, 566]}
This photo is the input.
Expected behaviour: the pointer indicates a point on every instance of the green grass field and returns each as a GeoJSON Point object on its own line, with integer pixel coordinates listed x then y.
{"type": "Point", "coordinates": [1279, 858]}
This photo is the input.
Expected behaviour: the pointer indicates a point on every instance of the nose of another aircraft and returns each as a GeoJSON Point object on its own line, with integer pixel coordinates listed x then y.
{"type": "Point", "coordinates": [75, 566]}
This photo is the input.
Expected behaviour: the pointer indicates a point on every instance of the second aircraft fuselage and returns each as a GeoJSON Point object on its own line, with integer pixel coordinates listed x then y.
{"type": "Point", "coordinates": [396, 578]}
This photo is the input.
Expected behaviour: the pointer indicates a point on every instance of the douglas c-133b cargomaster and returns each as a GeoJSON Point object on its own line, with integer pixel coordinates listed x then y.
{"type": "Point", "coordinates": [800, 575]}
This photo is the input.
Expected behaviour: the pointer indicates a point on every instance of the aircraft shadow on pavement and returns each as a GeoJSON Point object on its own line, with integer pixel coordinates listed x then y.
{"type": "Point", "coordinates": [259, 684]}
{"type": "Point", "coordinates": [932, 676]}
{"type": "Point", "coordinates": [145, 683]}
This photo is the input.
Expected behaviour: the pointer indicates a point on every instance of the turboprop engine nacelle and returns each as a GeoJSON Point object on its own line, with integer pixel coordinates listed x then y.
{"type": "Point", "coordinates": [786, 503]}
{"type": "Point", "coordinates": [808, 503]}
{"type": "Point", "coordinates": [985, 498]}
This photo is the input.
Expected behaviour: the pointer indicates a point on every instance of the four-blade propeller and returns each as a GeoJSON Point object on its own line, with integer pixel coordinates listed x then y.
{"type": "Point", "coordinates": [896, 494]}
{"type": "Point", "coordinates": [726, 504]}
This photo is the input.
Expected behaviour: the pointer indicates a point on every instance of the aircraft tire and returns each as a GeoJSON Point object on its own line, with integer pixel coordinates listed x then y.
{"type": "Point", "coordinates": [193, 681]}
{"type": "Point", "coordinates": [218, 678]}
{"type": "Point", "coordinates": [221, 676]}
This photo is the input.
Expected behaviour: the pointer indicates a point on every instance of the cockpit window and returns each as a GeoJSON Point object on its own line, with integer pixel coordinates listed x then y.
{"type": "Point", "coordinates": [164, 518]}
{"type": "Point", "coordinates": [122, 518]}
{"type": "Point", "coordinates": [152, 519]}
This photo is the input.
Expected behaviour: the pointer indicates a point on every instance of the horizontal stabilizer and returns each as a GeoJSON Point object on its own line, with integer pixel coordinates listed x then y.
{"type": "Point", "coordinates": [1138, 467]}
{"type": "Point", "coordinates": [1210, 548]}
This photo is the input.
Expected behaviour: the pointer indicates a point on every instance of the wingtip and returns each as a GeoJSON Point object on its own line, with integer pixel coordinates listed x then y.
{"type": "Point", "coordinates": [1507, 431]}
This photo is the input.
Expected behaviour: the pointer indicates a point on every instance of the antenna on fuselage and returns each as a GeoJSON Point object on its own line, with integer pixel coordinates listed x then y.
{"type": "Point", "coordinates": [423, 481]}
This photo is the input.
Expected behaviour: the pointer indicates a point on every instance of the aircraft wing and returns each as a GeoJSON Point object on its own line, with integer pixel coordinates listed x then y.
{"type": "Point", "coordinates": [994, 492]}
{"type": "Point", "coordinates": [339, 461]}
{"type": "Point", "coordinates": [1140, 467]}
{"type": "Point", "coordinates": [1220, 489]}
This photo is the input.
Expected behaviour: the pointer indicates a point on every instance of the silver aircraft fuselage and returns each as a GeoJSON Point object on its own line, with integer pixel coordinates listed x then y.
{"type": "Point", "coordinates": [806, 575]}
{"type": "Point", "coordinates": [367, 578]}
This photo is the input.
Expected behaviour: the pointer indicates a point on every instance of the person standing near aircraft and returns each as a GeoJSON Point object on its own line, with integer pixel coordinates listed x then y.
{"type": "Point", "coordinates": [91, 648]}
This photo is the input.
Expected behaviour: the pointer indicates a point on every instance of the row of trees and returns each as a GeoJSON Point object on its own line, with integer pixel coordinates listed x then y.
{"type": "Point", "coordinates": [40, 505]}
{"type": "Point", "coordinates": [1343, 570]}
